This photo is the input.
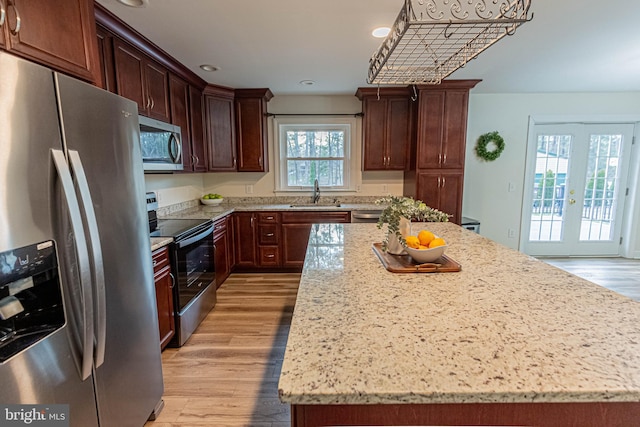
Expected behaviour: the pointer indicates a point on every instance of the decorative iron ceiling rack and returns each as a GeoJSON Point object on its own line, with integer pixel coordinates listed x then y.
{"type": "Point", "coordinates": [431, 39]}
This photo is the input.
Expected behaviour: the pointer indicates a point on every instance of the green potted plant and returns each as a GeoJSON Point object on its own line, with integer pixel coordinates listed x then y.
{"type": "Point", "coordinates": [398, 213]}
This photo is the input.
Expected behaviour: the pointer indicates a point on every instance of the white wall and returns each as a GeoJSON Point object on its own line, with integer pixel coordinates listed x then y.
{"type": "Point", "coordinates": [486, 186]}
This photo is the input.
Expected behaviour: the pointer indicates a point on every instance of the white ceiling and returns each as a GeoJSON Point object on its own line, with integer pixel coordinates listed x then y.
{"type": "Point", "coordinates": [569, 46]}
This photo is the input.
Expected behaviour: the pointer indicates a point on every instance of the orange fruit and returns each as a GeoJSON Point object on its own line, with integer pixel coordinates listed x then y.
{"type": "Point", "coordinates": [412, 242]}
{"type": "Point", "coordinates": [423, 247]}
{"type": "Point", "coordinates": [437, 242]}
{"type": "Point", "coordinates": [425, 237]}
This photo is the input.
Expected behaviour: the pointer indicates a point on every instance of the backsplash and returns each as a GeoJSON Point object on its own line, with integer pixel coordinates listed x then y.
{"type": "Point", "coordinates": [277, 200]}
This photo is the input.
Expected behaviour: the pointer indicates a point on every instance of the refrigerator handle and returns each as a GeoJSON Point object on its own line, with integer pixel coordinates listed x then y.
{"type": "Point", "coordinates": [82, 254]}
{"type": "Point", "coordinates": [99, 296]}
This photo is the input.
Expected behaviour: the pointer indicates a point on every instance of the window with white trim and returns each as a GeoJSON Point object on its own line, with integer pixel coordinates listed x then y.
{"type": "Point", "coordinates": [316, 148]}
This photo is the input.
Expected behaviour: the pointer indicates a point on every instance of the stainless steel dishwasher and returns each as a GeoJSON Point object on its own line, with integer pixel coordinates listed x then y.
{"type": "Point", "coordinates": [365, 216]}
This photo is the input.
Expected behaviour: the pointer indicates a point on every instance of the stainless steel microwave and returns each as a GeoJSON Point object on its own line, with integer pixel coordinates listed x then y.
{"type": "Point", "coordinates": [161, 145]}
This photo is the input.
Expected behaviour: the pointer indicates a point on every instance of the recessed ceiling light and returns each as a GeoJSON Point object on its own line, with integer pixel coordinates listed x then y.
{"type": "Point", "coordinates": [134, 3]}
{"type": "Point", "coordinates": [381, 32]}
{"type": "Point", "coordinates": [209, 67]}
{"type": "Point", "coordinates": [307, 82]}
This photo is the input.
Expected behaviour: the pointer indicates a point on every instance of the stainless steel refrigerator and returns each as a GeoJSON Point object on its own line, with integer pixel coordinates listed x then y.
{"type": "Point", "coordinates": [78, 320]}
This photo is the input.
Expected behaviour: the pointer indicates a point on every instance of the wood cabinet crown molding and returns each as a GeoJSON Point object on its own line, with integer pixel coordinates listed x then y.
{"type": "Point", "coordinates": [113, 24]}
{"type": "Point", "coordinates": [364, 92]}
{"type": "Point", "coordinates": [219, 91]}
{"type": "Point", "coordinates": [450, 84]}
{"type": "Point", "coordinates": [263, 93]}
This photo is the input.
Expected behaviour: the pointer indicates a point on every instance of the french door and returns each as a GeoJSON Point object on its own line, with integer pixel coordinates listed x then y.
{"type": "Point", "coordinates": [575, 189]}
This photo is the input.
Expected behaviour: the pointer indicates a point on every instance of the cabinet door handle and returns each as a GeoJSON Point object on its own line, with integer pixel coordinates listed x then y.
{"type": "Point", "coordinates": [234, 162]}
{"type": "Point", "coordinates": [269, 235]}
{"type": "Point", "coordinates": [439, 179]}
{"type": "Point", "coordinates": [3, 13]}
{"type": "Point", "coordinates": [153, 103]}
{"type": "Point", "coordinates": [269, 218]}
{"type": "Point", "coordinates": [251, 221]}
{"type": "Point", "coordinates": [444, 181]}
{"type": "Point", "coordinates": [270, 255]}
{"type": "Point", "coordinates": [444, 158]}
{"type": "Point", "coordinates": [15, 30]}
{"type": "Point", "coordinates": [155, 262]}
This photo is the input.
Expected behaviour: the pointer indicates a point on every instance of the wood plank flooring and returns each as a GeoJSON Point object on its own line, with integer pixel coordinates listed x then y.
{"type": "Point", "coordinates": [621, 275]}
{"type": "Point", "coordinates": [227, 373]}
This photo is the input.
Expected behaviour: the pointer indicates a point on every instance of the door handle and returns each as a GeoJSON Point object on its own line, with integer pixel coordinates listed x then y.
{"type": "Point", "coordinates": [99, 293]}
{"type": "Point", "coordinates": [16, 29]}
{"type": "Point", "coordinates": [3, 13]}
{"type": "Point", "coordinates": [82, 257]}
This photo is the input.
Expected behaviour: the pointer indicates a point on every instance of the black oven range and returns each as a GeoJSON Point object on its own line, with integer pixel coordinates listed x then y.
{"type": "Point", "coordinates": [192, 263]}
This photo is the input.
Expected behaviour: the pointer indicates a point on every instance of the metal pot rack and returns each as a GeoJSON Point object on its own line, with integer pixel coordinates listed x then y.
{"type": "Point", "coordinates": [431, 39]}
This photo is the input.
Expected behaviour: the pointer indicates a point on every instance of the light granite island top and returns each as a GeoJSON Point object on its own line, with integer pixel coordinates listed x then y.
{"type": "Point", "coordinates": [509, 340]}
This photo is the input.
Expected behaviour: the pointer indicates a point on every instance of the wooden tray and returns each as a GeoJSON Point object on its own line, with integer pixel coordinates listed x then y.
{"type": "Point", "coordinates": [406, 264]}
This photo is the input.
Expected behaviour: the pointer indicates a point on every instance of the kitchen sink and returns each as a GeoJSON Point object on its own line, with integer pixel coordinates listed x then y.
{"type": "Point", "coordinates": [314, 205]}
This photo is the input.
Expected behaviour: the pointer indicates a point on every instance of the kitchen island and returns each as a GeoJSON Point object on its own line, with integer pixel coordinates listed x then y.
{"type": "Point", "coordinates": [509, 340]}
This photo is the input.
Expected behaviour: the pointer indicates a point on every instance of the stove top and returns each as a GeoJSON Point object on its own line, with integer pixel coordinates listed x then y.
{"type": "Point", "coordinates": [177, 228]}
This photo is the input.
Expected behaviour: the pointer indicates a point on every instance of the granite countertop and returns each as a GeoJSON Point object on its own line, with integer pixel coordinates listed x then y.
{"type": "Point", "coordinates": [158, 242]}
{"type": "Point", "coordinates": [507, 328]}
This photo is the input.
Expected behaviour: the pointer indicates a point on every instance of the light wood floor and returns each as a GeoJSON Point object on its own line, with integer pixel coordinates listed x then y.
{"type": "Point", "coordinates": [227, 373]}
{"type": "Point", "coordinates": [621, 275]}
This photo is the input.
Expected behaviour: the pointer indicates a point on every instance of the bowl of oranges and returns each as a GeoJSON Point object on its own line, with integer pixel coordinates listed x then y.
{"type": "Point", "coordinates": [425, 247]}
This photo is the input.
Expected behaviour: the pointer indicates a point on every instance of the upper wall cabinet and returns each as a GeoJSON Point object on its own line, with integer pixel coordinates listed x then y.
{"type": "Point", "coordinates": [135, 68]}
{"type": "Point", "coordinates": [58, 34]}
{"type": "Point", "coordinates": [251, 129]}
{"type": "Point", "coordinates": [220, 131]}
{"type": "Point", "coordinates": [196, 121]}
{"type": "Point", "coordinates": [142, 80]}
{"type": "Point", "coordinates": [387, 127]}
{"type": "Point", "coordinates": [442, 128]}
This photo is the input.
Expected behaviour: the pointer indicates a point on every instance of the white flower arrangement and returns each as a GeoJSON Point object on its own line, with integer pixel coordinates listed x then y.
{"type": "Point", "coordinates": [398, 207]}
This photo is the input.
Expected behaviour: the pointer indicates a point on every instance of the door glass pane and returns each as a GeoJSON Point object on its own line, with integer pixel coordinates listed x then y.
{"type": "Point", "coordinates": [601, 187]}
{"type": "Point", "coordinates": [552, 166]}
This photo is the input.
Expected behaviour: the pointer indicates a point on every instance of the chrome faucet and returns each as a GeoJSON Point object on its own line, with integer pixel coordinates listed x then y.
{"type": "Point", "coordinates": [316, 191]}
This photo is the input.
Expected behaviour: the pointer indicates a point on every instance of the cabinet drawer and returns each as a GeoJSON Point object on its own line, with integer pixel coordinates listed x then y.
{"type": "Point", "coordinates": [268, 235]}
{"type": "Point", "coordinates": [268, 217]}
{"type": "Point", "coordinates": [269, 255]}
{"type": "Point", "coordinates": [315, 217]}
{"type": "Point", "coordinates": [160, 259]}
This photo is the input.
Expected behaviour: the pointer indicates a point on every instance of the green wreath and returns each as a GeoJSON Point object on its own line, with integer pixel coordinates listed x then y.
{"type": "Point", "coordinates": [484, 140]}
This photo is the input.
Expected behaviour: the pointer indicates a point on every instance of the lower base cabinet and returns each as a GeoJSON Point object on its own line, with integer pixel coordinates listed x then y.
{"type": "Point", "coordinates": [164, 282]}
{"type": "Point", "coordinates": [222, 247]}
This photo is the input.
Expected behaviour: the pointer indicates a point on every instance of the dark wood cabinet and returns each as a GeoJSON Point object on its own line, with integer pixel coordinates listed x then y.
{"type": "Point", "coordinates": [142, 80]}
{"type": "Point", "coordinates": [245, 240]}
{"type": "Point", "coordinates": [296, 227]}
{"type": "Point", "coordinates": [196, 120]}
{"type": "Point", "coordinates": [442, 128]}
{"type": "Point", "coordinates": [268, 239]}
{"type": "Point", "coordinates": [164, 283]}
{"type": "Point", "coordinates": [436, 167]}
{"type": "Point", "coordinates": [442, 190]}
{"type": "Point", "coordinates": [105, 51]}
{"type": "Point", "coordinates": [58, 34]}
{"type": "Point", "coordinates": [387, 127]}
{"type": "Point", "coordinates": [220, 131]}
{"type": "Point", "coordinates": [179, 97]}
{"type": "Point", "coordinates": [251, 129]}
{"type": "Point", "coordinates": [221, 243]}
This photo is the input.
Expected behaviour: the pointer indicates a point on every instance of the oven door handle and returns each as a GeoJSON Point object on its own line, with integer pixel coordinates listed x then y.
{"type": "Point", "coordinates": [193, 239]}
